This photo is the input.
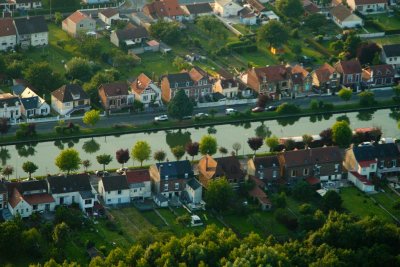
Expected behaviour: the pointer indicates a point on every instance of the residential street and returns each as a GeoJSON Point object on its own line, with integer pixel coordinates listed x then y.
{"type": "Point", "coordinates": [380, 94]}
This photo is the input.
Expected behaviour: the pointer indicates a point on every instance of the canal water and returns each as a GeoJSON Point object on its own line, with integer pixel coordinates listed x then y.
{"type": "Point", "coordinates": [43, 154]}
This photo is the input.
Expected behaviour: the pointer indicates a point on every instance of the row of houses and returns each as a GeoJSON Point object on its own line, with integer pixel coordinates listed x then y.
{"type": "Point", "coordinates": [28, 31]}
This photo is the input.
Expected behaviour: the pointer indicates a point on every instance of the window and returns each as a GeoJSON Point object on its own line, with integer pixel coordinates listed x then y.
{"type": "Point", "coordinates": [284, 84]}
{"type": "Point", "coordinates": [145, 98]}
{"type": "Point", "coordinates": [187, 83]}
{"type": "Point", "coordinates": [34, 207]}
{"type": "Point", "coordinates": [274, 173]}
{"type": "Point", "coordinates": [349, 78]}
{"type": "Point", "coordinates": [336, 167]}
{"type": "Point", "coordinates": [186, 175]}
{"type": "Point", "coordinates": [176, 186]}
{"type": "Point", "coordinates": [394, 163]}
{"type": "Point", "coordinates": [119, 192]}
{"type": "Point", "coordinates": [88, 201]}
{"type": "Point", "coordinates": [187, 92]}
{"type": "Point", "coordinates": [166, 177]}
{"type": "Point", "coordinates": [305, 171]}
{"type": "Point", "coordinates": [200, 83]}
{"type": "Point", "coordinates": [382, 164]}
{"type": "Point", "coordinates": [165, 187]}
{"type": "Point", "coordinates": [81, 25]}
{"type": "Point", "coordinates": [294, 173]}
{"type": "Point", "coordinates": [205, 82]}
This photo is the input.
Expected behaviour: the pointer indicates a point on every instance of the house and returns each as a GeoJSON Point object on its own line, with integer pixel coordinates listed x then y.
{"type": "Point", "coordinates": [196, 10]}
{"type": "Point", "coordinates": [26, 4]}
{"type": "Point", "coordinates": [379, 75]}
{"type": "Point", "coordinates": [8, 34]}
{"type": "Point", "coordinates": [32, 104]}
{"type": "Point", "coordinates": [78, 23]}
{"type": "Point", "coordinates": [256, 6]}
{"type": "Point", "coordinates": [72, 188]}
{"type": "Point", "coordinates": [115, 96]}
{"type": "Point", "coordinates": [169, 178]}
{"type": "Point", "coordinates": [92, 2]}
{"type": "Point", "coordinates": [69, 98]}
{"type": "Point", "coordinates": [228, 167]}
{"type": "Point", "coordinates": [350, 73]}
{"type": "Point", "coordinates": [264, 168]}
{"type": "Point", "coordinates": [139, 183]}
{"type": "Point", "coordinates": [10, 106]}
{"type": "Point", "coordinates": [129, 37]}
{"type": "Point", "coordinates": [324, 163]}
{"type": "Point", "coordinates": [28, 197]}
{"type": "Point", "coordinates": [344, 18]}
{"type": "Point", "coordinates": [194, 192]}
{"type": "Point", "coordinates": [145, 91]}
{"type": "Point", "coordinates": [226, 84]}
{"type": "Point", "coordinates": [108, 15]}
{"type": "Point", "coordinates": [247, 16]}
{"type": "Point", "coordinates": [114, 189]}
{"type": "Point", "coordinates": [326, 78]}
{"type": "Point", "coordinates": [270, 15]}
{"type": "Point", "coordinates": [196, 83]}
{"type": "Point", "coordinates": [373, 160]}
{"type": "Point", "coordinates": [3, 195]}
{"type": "Point", "coordinates": [368, 6]}
{"type": "Point", "coordinates": [273, 81]}
{"type": "Point", "coordinates": [226, 8]}
{"type": "Point", "coordinates": [310, 7]}
{"type": "Point", "coordinates": [257, 194]}
{"type": "Point", "coordinates": [31, 31]}
{"type": "Point", "coordinates": [391, 55]}
{"type": "Point", "coordinates": [164, 9]}
{"type": "Point", "coordinates": [301, 81]}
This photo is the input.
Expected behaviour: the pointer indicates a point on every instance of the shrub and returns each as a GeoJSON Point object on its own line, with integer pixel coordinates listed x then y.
{"type": "Point", "coordinates": [287, 108]}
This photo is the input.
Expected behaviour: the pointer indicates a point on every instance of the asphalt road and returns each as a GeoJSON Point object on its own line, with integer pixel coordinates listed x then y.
{"type": "Point", "coordinates": [137, 119]}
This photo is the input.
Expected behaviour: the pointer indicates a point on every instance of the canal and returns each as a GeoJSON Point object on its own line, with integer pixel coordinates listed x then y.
{"type": "Point", "coordinates": [43, 154]}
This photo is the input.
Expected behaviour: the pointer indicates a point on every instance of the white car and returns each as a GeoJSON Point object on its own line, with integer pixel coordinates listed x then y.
{"type": "Point", "coordinates": [161, 118]}
{"type": "Point", "coordinates": [201, 115]}
{"type": "Point", "coordinates": [230, 111]}
{"type": "Point", "coordinates": [196, 221]}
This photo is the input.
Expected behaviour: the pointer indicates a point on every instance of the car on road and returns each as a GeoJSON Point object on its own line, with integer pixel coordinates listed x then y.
{"type": "Point", "coordinates": [201, 115]}
{"type": "Point", "coordinates": [122, 170]}
{"type": "Point", "coordinates": [161, 118]}
{"type": "Point", "coordinates": [101, 173]}
{"type": "Point", "coordinates": [230, 111]}
{"type": "Point", "coordinates": [271, 108]}
{"type": "Point", "coordinates": [187, 118]}
{"type": "Point", "coordinates": [258, 109]}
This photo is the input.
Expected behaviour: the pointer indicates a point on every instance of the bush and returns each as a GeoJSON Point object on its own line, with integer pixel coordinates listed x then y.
{"type": "Point", "coordinates": [287, 108]}
{"type": "Point", "coordinates": [285, 218]}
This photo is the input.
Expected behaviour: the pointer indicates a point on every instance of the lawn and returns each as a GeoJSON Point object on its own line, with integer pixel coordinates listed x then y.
{"type": "Point", "coordinates": [386, 21]}
{"type": "Point", "coordinates": [387, 199]}
{"type": "Point", "coordinates": [242, 28]}
{"type": "Point", "coordinates": [155, 63]}
{"type": "Point", "coordinates": [387, 40]}
{"type": "Point", "coordinates": [359, 204]}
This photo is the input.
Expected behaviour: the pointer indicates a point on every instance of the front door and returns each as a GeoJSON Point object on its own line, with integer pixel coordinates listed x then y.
{"type": "Point", "coordinates": [61, 200]}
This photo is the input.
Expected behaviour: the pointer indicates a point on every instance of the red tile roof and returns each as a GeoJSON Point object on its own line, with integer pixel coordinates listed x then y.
{"type": "Point", "coordinates": [7, 27]}
{"type": "Point", "coordinates": [38, 199]}
{"type": "Point", "coordinates": [15, 198]}
{"type": "Point", "coordinates": [164, 8]}
{"type": "Point", "coordinates": [366, 163]}
{"type": "Point", "coordinates": [141, 83]}
{"type": "Point", "coordinates": [369, 2]}
{"type": "Point", "coordinates": [109, 12]}
{"type": "Point", "coordinates": [349, 67]}
{"type": "Point", "coordinates": [77, 16]}
{"type": "Point", "coordinates": [324, 72]}
{"type": "Point", "coordinates": [258, 193]}
{"type": "Point", "coordinates": [138, 176]}
{"type": "Point", "coordinates": [275, 73]}
{"type": "Point", "coordinates": [313, 180]}
{"type": "Point", "coordinates": [361, 178]}
{"type": "Point", "coordinates": [311, 156]}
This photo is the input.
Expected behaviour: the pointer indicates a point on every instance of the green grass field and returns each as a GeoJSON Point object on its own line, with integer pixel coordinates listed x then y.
{"type": "Point", "coordinates": [386, 21]}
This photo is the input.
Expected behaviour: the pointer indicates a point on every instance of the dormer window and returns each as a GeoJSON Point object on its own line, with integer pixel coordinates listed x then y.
{"type": "Point", "coordinates": [166, 177]}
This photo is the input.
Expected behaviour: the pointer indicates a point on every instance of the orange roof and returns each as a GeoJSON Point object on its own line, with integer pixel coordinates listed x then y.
{"type": "Point", "coordinates": [258, 193]}
{"type": "Point", "coordinates": [207, 166]}
{"type": "Point", "coordinates": [39, 199]}
{"type": "Point", "coordinates": [164, 8]}
{"type": "Point", "coordinates": [324, 72]}
{"type": "Point", "coordinates": [141, 83]}
{"type": "Point", "coordinates": [77, 16]}
{"type": "Point", "coordinates": [195, 75]}
{"type": "Point", "coordinates": [15, 198]}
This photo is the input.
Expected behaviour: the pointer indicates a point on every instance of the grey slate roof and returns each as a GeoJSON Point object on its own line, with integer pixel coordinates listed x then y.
{"type": "Point", "coordinates": [30, 102]}
{"type": "Point", "coordinates": [175, 170]}
{"type": "Point", "coordinates": [70, 183]}
{"type": "Point", "coordinates": [17, 89]}
{"type": "Point", "coordinates": [392, 50]}
{"type": "Point", "coordinates": [113, 183]}
{"type": "Point", "coordinates": [33, 185]}
{"type": "Point", "coordinates": [199, 8]}
{"type": "Point", "coordinates": [180, 78]}
{"type": "Point", "coordinates": [9, 101]}
{"type": "Point", "coordinates": [132, 33]}
{"type": "Point", "coordinates": [65, 92]}
{"type": "Point", "coordinates": [372, 152]}
{"type": "Point", "coordinates": [31, 25]}
{"type": "Point", "coordinates": [194, 184]}
{"type": "Point", "coordinates": [86, 194]}
{"type": "Point", "coordinates": [161, 198]}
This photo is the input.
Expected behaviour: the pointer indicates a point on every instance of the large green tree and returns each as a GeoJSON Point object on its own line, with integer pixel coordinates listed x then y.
{"type": "Point", "coordinates": [91, 117]}
{"type": "Point", "coordinates": [219, 194]}
{"type": "Point", "coordinates": [272, 142]}
{"type": "Point", "coordinates": [290, 8]}
{"type": "Point", "coordinates": [315, 21]}
{"type": "Point", "coordinates": [169, 32]}
{"type": "Point", "coordinates": [29, 167]}
{"type": "Point", "coordinates": [341, 134]}
{"type": "Point", "coordinates": [68, 160]}
{"type": "Point", "coordinates": [274, 33]}
{"type": "Point", "coordinates": [208, 145]}
{"type": "Point", "coordinates": [331, 201]}
{"type": "Point", "coordinates": [79, 68]}
{"type": "Point", "coordinates": [141, 151]}
{"type": "Point", "coordinates": [180, 105]}
{"type": "Point", "coordinates": [104, 159]}
{"type": "Point", "coordinates": [178, 151]}
{"type": "Point", "coordinates": [42, 78]}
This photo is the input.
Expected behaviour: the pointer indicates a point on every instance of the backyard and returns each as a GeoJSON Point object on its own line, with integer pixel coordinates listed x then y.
{"type": "Point", "coordinates": [387, 21]}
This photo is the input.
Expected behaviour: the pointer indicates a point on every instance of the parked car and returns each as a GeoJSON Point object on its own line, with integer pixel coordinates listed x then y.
{"type": "Point", "coordinates": [271, 108]}
{"type": "Point", "coordinates": [122, 170]}
{"type": "Point", "coordinates": [201, 115]}
{"type": "Point", "coordinates": [230, 111]}
{"type": "Point", "coordinates": [196, 221]}
{"type": "Point", "coordinates": [258, 109]}
{"type": "Point", "coordinates": [187, 118]}
{"type": "Point", "coordinates": [102, 173]}
{"type": "Point", "coordinates": [161, 118]}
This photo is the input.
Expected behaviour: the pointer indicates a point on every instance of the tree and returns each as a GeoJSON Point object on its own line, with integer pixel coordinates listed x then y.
{"type": "Point", "coordinates": [91, 117]}
{"type": "Point", "coordinates": [212, 26]}
{"type": "Point", "coordinates": [219, 194]}
{"type": "Point", "coordinates": [29, 167]}
{"type": "Point", "coordinates": [60, 234]}
{"type": "Point", "coordinates": [366, 52]}
{"type": "Point", "coordinates": [68, 160]}
{"type": "Point", "coordinates": [307, 140]}
{"type": "Point", "coordinates": [351, 44]}
{"type": "Point", "coordinates": [7, 171]}
{"type": "Point", "coordinates": [236, 146]}
{"type": "Point", "coordinates": [58, 18]}
{"type": "Point", "coordinates": [331, 201]}
{"type": "Point", "coordinates": [79, 68]}
{"type": "Point", "coordinates": [86, 164]}
{"type": "Point", "coordinates": [208, 145]}
{"type": "Point", "coordinates": [180, 63]}
{"type": "Point", "coordinates": [122, 156]}
{"type": "Point", "coordinates": [104, 160]}
{"type": "Point", "coordinates": [180, 105]}
{"type": "Point", "coordinates": [302, 191]}
{"type": "Point", "coordinates": [159, 155]}
{"type": "Point", "coordinates": [288, 108]}
{"type": "Point", "coordinates": [42, 78]}
{"type": "Point", "coordinates": [341, 134]}
{"type": "Point", "coordinates": [262, 101]}
{"type": "Point", "coordinates": [272, 142]}
{"type": "Point", "coordinates": [4, 126]}
{"type": "Point", "coordinates": [345, 94]}
{"type": "Point", "coordinates": [192, 149]}
{"type": "Point", "coordinates": [281, 200]}
{"type": "Point", "coordinates": [274, 32]}
{"type": "Point", "coordinates": [91, 146]}
{"type": "Point", "coordinates": [168, 32]}
{"type": "Point", "coordinates": [223, 150]}
{"type": "Point", "coordinates": [184, 219]}
{"type": "Point", "coordinates": [141, 151]}
{"type": "Point", "coordinates": [396, 92]}
{"type": "Point", "coordinates": [290, 144]}
{"type": "Point", "coordinates": [255, 143]}
{"type": "Point", "coordinates": [315, 22]}
{"type": "Point", "coordinates": [367, 99]}
{"type": "Point", "coordinates": [343, 118]}
{"type": "Point", "coordinates": [178, 152]}
{"type": "Point", "coordinates": [89, 46]}
{"type": "Point", "coordinates": [290, 8]}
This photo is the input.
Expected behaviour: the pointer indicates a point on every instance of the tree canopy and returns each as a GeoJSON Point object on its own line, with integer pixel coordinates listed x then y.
{"type": "Point", "coordinates": [180, 105]}
{"type": "Point", "coordinates": [29, 167]}
{"type": "Point", "coordinates": [91, 117]}
{"type": "Point", "coordinates": [345, 94]}
{"type": "Point", "coordinates": [122, 156]}
{"type": "Point", "coordinates": [290, 8]}
{"type": "Point", "coordinates": [168, 32]}
{"type": "Point", "coordinates": [141, 151]}
{"type": "Point", "coordinates": [219, 194]}
{"type": "Point", "coordinates": [341, 134]}
{"type": "Point", "coordinates": [208, 145]}
{"type": "Point", "coordinates": [104, 159]}
{"type": "Point", "coordinates": [68, 160]}
{"type": "Point", "coordinates": [274, 33]}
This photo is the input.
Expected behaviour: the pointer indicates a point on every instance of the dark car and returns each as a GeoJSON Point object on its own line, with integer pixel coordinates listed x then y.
{"type": "Point", "coordinates": [271, 108]}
